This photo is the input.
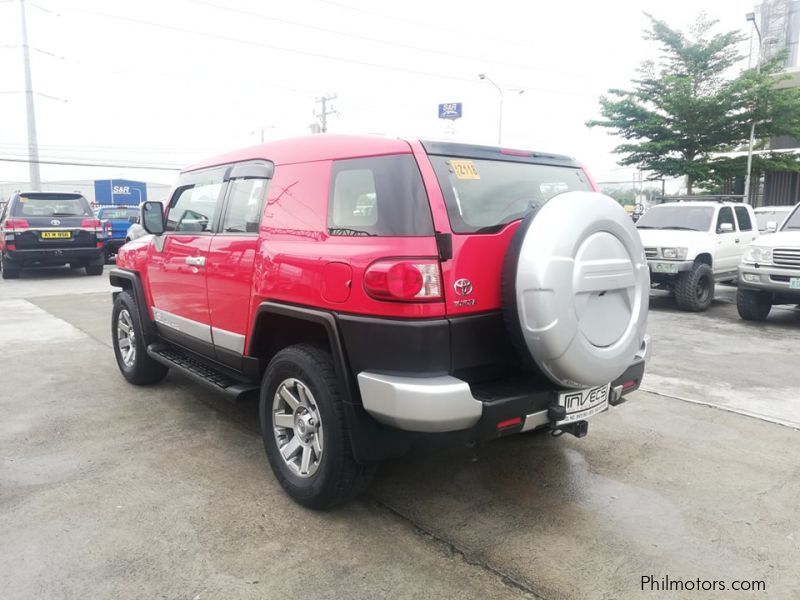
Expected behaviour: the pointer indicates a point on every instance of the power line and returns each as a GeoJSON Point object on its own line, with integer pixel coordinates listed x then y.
{"type": "Point", "coordinates": [90, 164]}
{"type": "Point", "coordinates": [235, 40]}
{"type": "Point", "coordinates": [372, 39]}
{"type": "Point", "coordinates": [423, 24]}
{"type": "Point", "coordinates": [315, 54]}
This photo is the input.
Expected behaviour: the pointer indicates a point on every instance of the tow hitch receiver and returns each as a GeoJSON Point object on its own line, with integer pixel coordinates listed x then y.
{"type": "Point", "coordinates": [579, 429]}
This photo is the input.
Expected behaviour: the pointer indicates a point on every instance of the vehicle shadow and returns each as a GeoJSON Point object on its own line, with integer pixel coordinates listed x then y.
{"type": "Point", "coordinates": [51, 273]}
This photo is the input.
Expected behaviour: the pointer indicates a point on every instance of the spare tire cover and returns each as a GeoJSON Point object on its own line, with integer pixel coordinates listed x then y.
{"type": "Point", "coordinates": [577, 289]}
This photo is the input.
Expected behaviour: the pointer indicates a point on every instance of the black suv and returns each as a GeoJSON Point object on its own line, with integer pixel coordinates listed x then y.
{"type": "Point", "coordinates": [49, 229]}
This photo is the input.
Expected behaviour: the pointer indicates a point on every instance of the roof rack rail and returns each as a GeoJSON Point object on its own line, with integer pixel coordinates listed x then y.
{"type": "Point", "coordinates": [719, 198]}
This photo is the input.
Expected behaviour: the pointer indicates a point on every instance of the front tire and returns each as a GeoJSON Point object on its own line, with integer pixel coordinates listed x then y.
{"type": "Point", "coordinates": [753, 305]}
{"type": "Point", "coordinates": [127, 337]}
{"type": "Point", "coordinates": [694, 289]}
{"type": "Point", "coordinates": [304, 429]}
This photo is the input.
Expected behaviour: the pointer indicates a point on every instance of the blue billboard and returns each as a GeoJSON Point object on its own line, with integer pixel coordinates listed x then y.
{"type": "Point", "coordinates": [450, 110]}
{"type": "Point", "coordinates": [120, 191]}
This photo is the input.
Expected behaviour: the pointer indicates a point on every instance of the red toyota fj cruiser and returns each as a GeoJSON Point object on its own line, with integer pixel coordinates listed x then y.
{"type": "Point", "coordinates": [372, 290]}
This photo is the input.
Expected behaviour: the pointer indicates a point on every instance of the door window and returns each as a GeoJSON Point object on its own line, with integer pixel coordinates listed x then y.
{"type": "Point", "coordinates": [745, 224]}
{"type": "Point", "coordinates": [725, 216]}
{"type": "Point", "coordinates": [245, 203]}
{"type": "Point", "coordinates": [194, 204]}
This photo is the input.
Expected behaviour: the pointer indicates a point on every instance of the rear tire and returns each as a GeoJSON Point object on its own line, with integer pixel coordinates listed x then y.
{"type": "Point", "coordinates": [694, 289]}
{"type": "Point", "coordinates": [9, 272]}
{"type": "Point", "coordinates": [753, 305]}
{"type": "Point", "coordinates": [96, 268]}
{"type": "Point", "coordinates": [311, 421]}
{"type": "Point", "coordinates": [136, 366]}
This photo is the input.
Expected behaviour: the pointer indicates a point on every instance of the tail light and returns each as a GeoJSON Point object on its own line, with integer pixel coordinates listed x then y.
{"type": "Point", "coordinates": [404, 280]}
{"type": "Point", "coordinates": [109, 229]}
{"type": "Point", "coordinates": [91, 224]}
{"type": "Point", "coordinates": [16, 224]}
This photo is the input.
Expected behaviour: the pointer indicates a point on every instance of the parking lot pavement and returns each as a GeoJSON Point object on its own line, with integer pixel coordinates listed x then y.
{"type": "Point", "coordinates": [718, 359]}
{"type": "Point", "coordinates": [107, 490]}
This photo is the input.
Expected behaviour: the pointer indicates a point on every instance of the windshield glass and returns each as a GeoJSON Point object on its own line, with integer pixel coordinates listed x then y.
{"type": "Point", "coordinates": [117, 213]}
{"type": "Point", "coordinates": [765, 216]}
{"type": "Point", "coordinates": [52, 205]}
{"type": "Point", "coordinates": [793, 222]}
{"type": "Point", "coordinates": [695, 218]}
{"type": "Point", "coordinates": [484, 195]}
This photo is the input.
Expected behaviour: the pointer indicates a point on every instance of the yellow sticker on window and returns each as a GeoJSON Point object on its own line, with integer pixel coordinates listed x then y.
{"type": "Point", "coordinates": [465, 169]}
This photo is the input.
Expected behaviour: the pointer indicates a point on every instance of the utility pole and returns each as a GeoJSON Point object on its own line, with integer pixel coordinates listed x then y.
{"type": "Point", "coordinates": [33, 144]}
{"type": "Point", "coordinates": [324, 111]}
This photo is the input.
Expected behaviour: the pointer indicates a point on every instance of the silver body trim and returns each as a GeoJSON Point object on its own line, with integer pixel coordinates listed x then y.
{"type": "Point", "coordinates": [211, 335]}
{"type": "Point", "coordinates": [228, 340]}
{"type": "Point", "coordinates": [198, 330]}
{"type": "Point", "coordinates": [427, 404]}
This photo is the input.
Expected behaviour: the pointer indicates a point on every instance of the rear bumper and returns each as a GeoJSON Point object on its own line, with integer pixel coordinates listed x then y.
{"type": "Point", "coordinates": [444, 403]}
{"type": "Point", "coordinates": [53, 255]}
{"type": "Point", "coordinates": [768, 278]}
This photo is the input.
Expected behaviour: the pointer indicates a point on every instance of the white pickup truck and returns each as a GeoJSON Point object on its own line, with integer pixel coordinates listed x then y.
{"type": "Point", "coordinates": [770, 271]}
{"type": "Point", "coordinates": [691, 245]}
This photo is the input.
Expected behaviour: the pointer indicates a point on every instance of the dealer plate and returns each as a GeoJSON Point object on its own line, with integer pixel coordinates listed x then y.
{"type": "Point", "coordinates": [56, 235]}
{"type": "Point", "coordinates": [582, 404]}
{"type": "Point", "coordinates": [664, 267]}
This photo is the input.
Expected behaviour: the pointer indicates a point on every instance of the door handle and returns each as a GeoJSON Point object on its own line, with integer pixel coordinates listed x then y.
{"type": "Point", "coordinates": [737, 240]}
{"type": "Point", "coordinates": [195, 261]}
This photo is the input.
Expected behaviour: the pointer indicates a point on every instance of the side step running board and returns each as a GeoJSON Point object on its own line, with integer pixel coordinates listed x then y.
{"type": "Point", "coordinates": [233, 388]}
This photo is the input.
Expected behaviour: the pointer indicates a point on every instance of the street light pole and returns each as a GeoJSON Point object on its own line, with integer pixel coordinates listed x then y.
{"type": "Point", "coordinates": [752, 18]}
{"type": "Point", "coordinates": [33, 144]}
{"type": "Point", "coordinates": [500, 118]}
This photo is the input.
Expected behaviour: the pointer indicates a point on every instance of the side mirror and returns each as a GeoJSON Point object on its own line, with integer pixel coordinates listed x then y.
{"type": "Point", "coordinates": [152, 218]}
{"type": "Point", "coordinates": [772, 226]}
{"type": "Point", "coordinates": [726, 228]}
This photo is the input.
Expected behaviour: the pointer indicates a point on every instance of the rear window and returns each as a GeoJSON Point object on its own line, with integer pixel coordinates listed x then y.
{"type": "Point", "coordinates": [484, 195]}
{"type": "Point", "coordinates": [382, 195]}
{"type": "Point", "coordinates": [117, 213]}
{"type": "Point", "coordinates": [51, 205]}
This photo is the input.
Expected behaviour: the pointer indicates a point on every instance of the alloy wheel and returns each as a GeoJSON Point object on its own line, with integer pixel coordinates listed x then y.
{"type": "Point", "coordinates": [297, 425]}
{"type": "Point", "coordinates": [126, 338]}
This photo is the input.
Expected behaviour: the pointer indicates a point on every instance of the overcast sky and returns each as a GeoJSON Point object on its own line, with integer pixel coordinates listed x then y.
{"type": "Point", "coordinates": [167, 83]}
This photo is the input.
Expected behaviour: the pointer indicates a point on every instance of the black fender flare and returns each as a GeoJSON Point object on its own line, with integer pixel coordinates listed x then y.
{"type": "Point", "coordinates": [370, 440]}
{"type": "Point", "coordinates": [131, 280]}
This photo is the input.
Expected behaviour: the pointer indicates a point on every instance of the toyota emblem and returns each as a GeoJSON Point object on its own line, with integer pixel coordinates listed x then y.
{"type": "Point", "coordinates": [55, 222]}
{"type": "Point", "coordinates": [463, 287]}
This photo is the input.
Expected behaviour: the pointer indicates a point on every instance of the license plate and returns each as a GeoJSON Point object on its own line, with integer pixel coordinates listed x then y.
{"type": "Point", "coordinates": [56, 235]}
{"type": "Point", "coordinates": [794, 283]}
{"type": "Point", "coordinates": [664, 268]}
{"type": "Point", "coordinates": [582, 404]}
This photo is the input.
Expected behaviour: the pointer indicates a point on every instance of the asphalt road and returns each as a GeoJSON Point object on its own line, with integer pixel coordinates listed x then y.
{"type": "Point", "coordinates": [111, 491]}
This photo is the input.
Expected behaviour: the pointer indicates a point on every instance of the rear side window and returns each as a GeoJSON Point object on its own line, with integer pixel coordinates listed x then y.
{"type": "Point", "coordinates": [484, 195]}
{"type": "Point", "coordinates": [382, 195]}
{"type": "Point", "coordinates": [745, 224]}
{"type": "Point", "coordinates": [51, 205]}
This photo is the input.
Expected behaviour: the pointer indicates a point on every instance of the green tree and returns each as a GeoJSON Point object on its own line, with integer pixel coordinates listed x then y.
{"type": "Point", "coordinates": [686, 108]}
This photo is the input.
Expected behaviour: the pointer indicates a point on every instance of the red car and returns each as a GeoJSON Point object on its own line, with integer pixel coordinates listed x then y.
{"type": "Point", "coordinates": [371, 291]}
